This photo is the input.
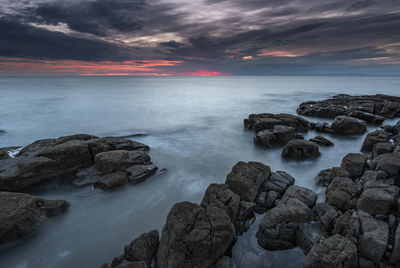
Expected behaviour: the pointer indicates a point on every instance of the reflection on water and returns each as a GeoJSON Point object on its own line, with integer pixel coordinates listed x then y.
{"type": "Point", "coordinates": [195, 130]}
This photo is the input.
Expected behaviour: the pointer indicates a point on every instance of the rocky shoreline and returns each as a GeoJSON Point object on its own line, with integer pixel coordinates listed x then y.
{"type": "Point", "coordinates": [356, 226]}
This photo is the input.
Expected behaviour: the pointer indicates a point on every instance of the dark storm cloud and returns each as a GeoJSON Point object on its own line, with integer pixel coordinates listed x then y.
{"type": "Point", "coordinates": [216, 33]}
{"type": "Point", "coordinates": [19, 40]}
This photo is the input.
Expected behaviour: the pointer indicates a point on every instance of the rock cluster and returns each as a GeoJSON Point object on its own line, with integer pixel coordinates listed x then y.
{"type": "Point", "coordinates": [102, 162]}
{"type": "Point", "coordinates": [372, 109]}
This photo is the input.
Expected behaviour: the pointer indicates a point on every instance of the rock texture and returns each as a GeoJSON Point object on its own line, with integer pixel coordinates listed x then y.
{"type": "Point", "coordinates": [20, 214]}
{"type": "Point", "coordinates": [300, 150]}
{"type": "Point", "coordinates": [88, 159]}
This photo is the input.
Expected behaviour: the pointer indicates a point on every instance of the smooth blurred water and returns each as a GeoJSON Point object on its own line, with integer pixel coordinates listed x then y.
{"type": "Point", "coordinates": [195, 130]}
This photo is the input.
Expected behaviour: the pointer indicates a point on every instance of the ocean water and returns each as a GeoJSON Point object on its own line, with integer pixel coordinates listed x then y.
{"type": "Point", "coordinates": [194, 126]}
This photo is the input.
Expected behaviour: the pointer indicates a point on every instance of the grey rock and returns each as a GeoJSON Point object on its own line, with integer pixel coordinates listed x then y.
{"type": "Point", "coordinates": [219, 195]}
{"type": "Point", "coordinates": [120, 160]}
{"type": "Point", "coordinates": [340, 192]}
{"type": "Point", "coordinates": [246, 179]}
{"type": "Point", "coordinates": [335, 252]}
{"type": "Point", "coordinates": [223, 262]}
{"type": "Point", "coordinates": [21, 214]}
{"type": "Point", "coordinates": [138, 173]}
{"type": "Point", "coordinates": [389, 163]}
{"type": "Point", "coordinates": [355, 164]}
{"type": "Point", "coordinates": [142, 248]}
{"type": "Point", "coordinates": [194, 236]}
{"type": "Point", "coordinates": [374, 237]}
{"type": "Point", "coordinates": [395, 257]}
{"type": "Point", "coordinates": [382, 148]}
{"type": "Point", "coordinates": [279, 182]}
{"type": "Point", "coordinates": [326, 214]}
{"type": "Point", "coordinates": [305, 195]}
{"type": "Point", "coordinates": [264, 121]}
{"type": "Point", "coordinates": [279, 225]}
{"type": "Point", "coordinates": [323, 178]}
{"type": "Point", "coordinates": [271, 199]}
{"type": "Point", "coordinates": [4, 151]}
{"type": "Point", "coordinates": [307, 235]}
{"type": "Point", "coordinates": [347, 125]}
{"type": "Point", "coordinates": [348, 225]}
{"type": "Point", "coordinates": [87, 176]}
{"type": "Point", "coordinates": [373, 138]}
{"type": "Point", "coordinates": [378, 198]}
{"type": "Point", "coordinates": [300, 150]}
{"type": "Point", "coordinates": [279, 135]}
{"type": "Point", "coordinates": [111, 181]}
{"type": "Point", "coordinates": [321, 140]}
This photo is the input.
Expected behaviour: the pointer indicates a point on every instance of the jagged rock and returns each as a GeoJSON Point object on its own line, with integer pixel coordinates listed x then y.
{"type": "Point", "coordinates": [264, 121]}
{"type": "Point", "coordinates": [373, 138]}
{"type": "Point", "coordinates": [279, 225]}
{"type": "Point", "coordinates": [138, 173]}
{"type": "Point", "coordinates": [340, 192]}
{"type": "Point", "coordinates": [142, 248]}
{"type": "Point", "coordinates": [378, 198]}
{"type": "Point", "coordinates": [4, 151]}
{"type": "Point", "coordinates": [305, 195]}
{"type": "Point", "coordinates": [395, 257]}
{"type": "Point", "coordinates": [348, 225]}
{"type": "Point", "coordinates": [279, 182]}
{"type": "Point", "coordinates": [326, 214]}
{"type": "Point", "coordinates": [323, 178]}
{"type": "Point", "coordinates": [300, 150]}
{"type": "Point", "coordinates": [20, 214]}
{"type": "Point", "coordinates": [194, 236]}
{"type": "Point", "coordinates": [271, 198]}
{"type": "Point", "coordinates": [219, 195]}
{"type": "Point", "coordinates": [321, 140]}
{"type": "Point", "coordinates": [245, 216]}
{"type": "Point", "coordinates": [346, 125]}
{"type": "Point", "coordinates": [367, 117]}
{"type": "Point", "coordinates": [375, 176]}
{"type": "Point", "coordinates": [336, 251]}
{"type": "Point", "coordinates": [355, 164]}
{"type": "Point", "coordinates": [374, 236]}
{"type": "Point", "coordinates": [389, 163]}
{"type": "Point", "coordinates": [120, 160]}
{"type": "Point", "coordinates": [246, 179]}
{"type": "Point", "coordinates": [279, 135]}
{"type": "Point", "coordinates": [307, 235]}
{"type": "Point", "coordinates": [382, 148]}
{"type": "Point", "coordinates": [112, 180]}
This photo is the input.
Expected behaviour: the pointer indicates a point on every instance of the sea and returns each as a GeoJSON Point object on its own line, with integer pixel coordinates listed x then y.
{"type": "Point", "coordinates": [194, 126]}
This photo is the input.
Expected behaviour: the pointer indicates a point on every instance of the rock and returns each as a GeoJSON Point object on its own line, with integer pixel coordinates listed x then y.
{"type": "Point", "coordinates": [4, 152]}
{"type": "Point", "coordinates": [368, 108]}
{"type": "Point", "coordinates": [117, 261]}
{"type": "Point", "coordinates": [340, 192]}
{"type": "Point", "coordinates": [246, 179]}
{"type": "Point", "coordinates": [305, 195]}
{"type": "Point", "coordinates": [336, 251]}
{"type": "Point", "coordinates": [264, 121]}
{"type": "Point", "coordinates": [378, 198]}
{"type": "Point", "coordinates": [244, 216]}
{"type": "Point", "coordinates": [348, 225]}
{"type": "Point", "coordinates": [139, 173]}
{"type": "Point", "coordinates": [271, 198]}
{"type": "Point", "coordinates": [307, 235]}
{"type": "Point", "coordinates": [382, 148]}
{"type": "Point", "coordinates": [321, 140]}
{"type": "Point", "coordinates": [373, 138]}
{"type": "Point", "coordinates": [389, 163]}
{"type": "Point", "coordinates": [279, 135]}
{"type": "Point", "coordinates": [87, 176]}
{"type": "Point", "coordinates": [120, 160]}
{"type": "Point", "coordinates": [372, 176]}
{"type": "Point", "coordinates": [194, 236]}
{"type": "Point", "coordinates": [355, 164]}
{"type": "Point", "coordinates": [395, 257]}
{"type": "Point", "coordinates": [326, 214]}
{"type": "Point", "coordinates": [2, 131]}
{"type": "Point", "coordinates": [346, 125]}
{"type": "Point", "coordinates": [323, 178]}
{"type": "Point", "coordinates": [300, 150]}
{"type": "Point", "coordinates": [279, 225]}
{"type": "Point", "coordinates": [136, 264]}
{"type": "Point", "coordinates": [77, 137]}
{"type": "Point", "coordinates": [220, 196]}
{"type": "Point", "coordinates": [223, 262]}
{"type": "Point", "coordinates": [374, 237]}
{"type": "Point", "coordinates": [20, 214]}
{"type": "Point", "coordinates": [261, 200]}
{"type": "Point", "coordinates": [142, 248]}
{"type": "Point", "coordinates": [112, 180]}
{"type": "Point", "coordinates": [279, 181]}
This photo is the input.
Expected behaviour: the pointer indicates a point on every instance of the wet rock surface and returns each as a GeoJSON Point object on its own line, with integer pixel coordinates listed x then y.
{"type": "Point", "coordinates": [87, 159]}
{"type": "Point", "coordinates": [301, 150]}
{"type": "Point", "coordinates": [21, 214]}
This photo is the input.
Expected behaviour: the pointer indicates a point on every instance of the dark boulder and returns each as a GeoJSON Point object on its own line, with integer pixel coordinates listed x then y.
{"type": "Point", "coordinates": [300, 150]}
{"type": "Point", "coordinates": [346, 125]}
{"type": "Point", "coordinates": [119, 160]}
{"type": "Point", "coordinates": [382, 148]}
{"type": "Point", "coordinates": [340, 193]}
{"type": "Point", "coordinates": [142, 248]}
{"type": "Point", "coordinates": [354, 164]}
{"type": "Point", "coordinates": [111, 180]}
{"type": "Point", "coordinates": [321, 140]}
{"type": "Point", "coordinates": [264, 121]}
{"type": "Point", "coordinates": [373, 138]}
{"type": "Point", "coordinates": [326, 214]}
{"type": "Point", "coordinates": [279, 135]}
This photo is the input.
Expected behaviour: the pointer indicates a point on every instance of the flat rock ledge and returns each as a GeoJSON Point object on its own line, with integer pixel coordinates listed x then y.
{"type": "Point", "coordinates": [22, 214]}
{"type": "Point", "coordinates": [86, 159]}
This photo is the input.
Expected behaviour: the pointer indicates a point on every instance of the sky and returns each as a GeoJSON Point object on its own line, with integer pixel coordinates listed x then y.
{"type": "Point", "coordinates": [199, 37]}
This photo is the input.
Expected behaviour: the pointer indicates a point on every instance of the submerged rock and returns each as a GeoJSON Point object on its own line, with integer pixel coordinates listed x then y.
{"type": "Point", "coordinates": [194, 236]}
{"type": "Point", "coordinates": [20, 214]}
{"type": "Point", "coordinates": [300, 150]}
